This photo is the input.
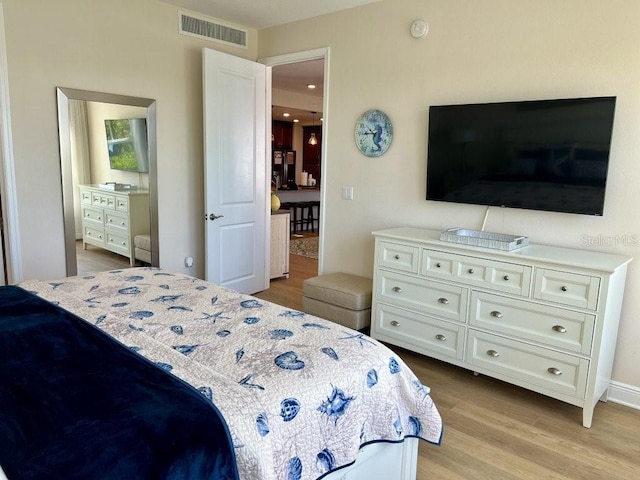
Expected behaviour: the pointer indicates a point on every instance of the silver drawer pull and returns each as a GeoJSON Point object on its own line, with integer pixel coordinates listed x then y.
{"type": "Point", "coordinates": [397, 289]}
{"type": "Point", "coordinates": [493, 353]}
{"type": "Point", "coordinates": [443, 301]}
{"type": "Point", "coordinates": [441, 337]}
{"type": "Point", "coordinates": [554, 371]}
{"type": "Point", "coordinates": [397, 257]}
{"type": "Point", "coordinates": [559, 329]}
{"type": "Point", "coordinates": [496, 314]}
{"type": "Point", "coordinates": [471, 270]}
{"type": "Point", "coordinates": [563, 288]}
{"type": "Point", "coordinates": [506, 278]}
{"type": "Point", "coordinates": [395, 323]}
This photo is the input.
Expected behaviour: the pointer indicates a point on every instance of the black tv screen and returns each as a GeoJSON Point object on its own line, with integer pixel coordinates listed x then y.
{"type": "Point", "coordinates": [550, 155]}
{"type": "Point", "coordinates": [127, 144]}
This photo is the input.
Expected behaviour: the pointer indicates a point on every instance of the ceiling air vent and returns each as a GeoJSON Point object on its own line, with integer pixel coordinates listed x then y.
{"type": "Point", "coordinates": [211, 29]}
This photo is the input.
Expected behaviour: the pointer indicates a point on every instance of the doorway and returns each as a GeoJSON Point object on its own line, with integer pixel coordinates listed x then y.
{"type": "Point", "coordinates": [292, 72]}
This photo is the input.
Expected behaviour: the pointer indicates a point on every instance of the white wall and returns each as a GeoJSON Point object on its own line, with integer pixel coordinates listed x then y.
{"type": "Point", "coordinates": [476, 51]}
{"type": "Point", "coordinates": [127, 47]}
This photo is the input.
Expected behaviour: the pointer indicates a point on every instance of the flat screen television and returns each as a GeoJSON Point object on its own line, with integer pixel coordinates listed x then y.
{"type": "Point", "coordinates": [550, 155]}
{"type": "Point", "coordinates": [127, 144]}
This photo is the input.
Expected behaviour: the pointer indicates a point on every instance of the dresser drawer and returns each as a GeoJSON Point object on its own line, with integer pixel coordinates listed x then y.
{"type": "Point", "coordinates": [398, 257]}
{"type": "Point", "coordinates": [122, 204]}
{"type": "Point", "coordinates": [551, 326]}
{"type": "Point", "coordinates": [555, 371]}
{"type": "Point", "coordinates": [117, 242]}
{"type": "Point", "coordinates": [424, 296]}
{"type": "Point", "coordinates": [92, 216]}
{"type": "Point", "coordinates": [500, 276]}
{"type": "Point", "coordinates": [438, 336]}
{"type": "Point", "coordinates": [116, 222]}
{"type": "Point", "coordinates": [93, 235]}
{"type": "Point", "coordinates": [103, 200]}
{"type": "Point", "coordinates": [567, 288]}
{"type": "Point", "coordinates": [85, 197]}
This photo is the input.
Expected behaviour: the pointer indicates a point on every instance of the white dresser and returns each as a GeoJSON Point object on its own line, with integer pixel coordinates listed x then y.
{"type": "Point", "coordinates": [280, 231]}
{"type": "Point", "coordinates": [110, 219]}
{"type": "Point", "coordinates": [541, 317]}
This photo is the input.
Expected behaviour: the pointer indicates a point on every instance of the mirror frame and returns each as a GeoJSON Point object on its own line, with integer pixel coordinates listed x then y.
{"type": "Point", "coordinates": [63, 96]}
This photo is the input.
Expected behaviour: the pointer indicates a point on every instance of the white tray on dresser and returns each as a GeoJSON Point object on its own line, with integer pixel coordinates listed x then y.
{"type": "Point", "coordinates": [541, 317]}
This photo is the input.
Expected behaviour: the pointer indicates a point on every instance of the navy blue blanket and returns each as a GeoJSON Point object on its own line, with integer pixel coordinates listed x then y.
{"type": "Point", "coordinates": [76, 404]}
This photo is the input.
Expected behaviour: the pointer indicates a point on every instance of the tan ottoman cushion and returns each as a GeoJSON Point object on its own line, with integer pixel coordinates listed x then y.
{"type": "Point", "coordinates": [356, 319]}
{"type": "Point", "coordinates": [341, 289]}
{"type": "Point", "coordinates": [143, 242]}
{"type": "Point", "coordinates": [142, 251]}
{"type": "Point", "coordinates": [340, 297]}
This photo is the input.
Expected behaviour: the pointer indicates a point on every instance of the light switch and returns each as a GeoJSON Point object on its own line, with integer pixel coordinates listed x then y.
{"type": "Point", "coordinates": [347, 193]}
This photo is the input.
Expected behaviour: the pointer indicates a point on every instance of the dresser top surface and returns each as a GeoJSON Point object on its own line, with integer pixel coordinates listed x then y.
{"type": "Point", "coordinates": [563, 256]}
{"type": "Point", "coordinates": [129, 191]}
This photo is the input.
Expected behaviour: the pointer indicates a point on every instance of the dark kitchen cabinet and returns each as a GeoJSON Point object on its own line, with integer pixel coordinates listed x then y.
{"type": "Point", "coordinates": [282, 135]}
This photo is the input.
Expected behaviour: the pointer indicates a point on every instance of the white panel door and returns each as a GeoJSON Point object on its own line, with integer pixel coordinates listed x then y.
{"type": "Point", "coordinates": [236, 210]}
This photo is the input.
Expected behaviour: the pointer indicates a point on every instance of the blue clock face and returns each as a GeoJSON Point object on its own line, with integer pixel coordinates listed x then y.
{"type": "Point", "coordinates": [373, 133]}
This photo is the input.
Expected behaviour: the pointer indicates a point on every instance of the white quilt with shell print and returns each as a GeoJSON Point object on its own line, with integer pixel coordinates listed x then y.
{"type": "Point", "coordinates": [300, 394]}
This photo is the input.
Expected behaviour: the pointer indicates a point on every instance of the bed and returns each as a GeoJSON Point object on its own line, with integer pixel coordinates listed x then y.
{"type": "Point", "coordinates": [301, 398]}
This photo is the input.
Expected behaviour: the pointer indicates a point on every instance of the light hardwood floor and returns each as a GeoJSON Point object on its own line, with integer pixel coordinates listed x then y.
{"type": "Point", "coordinates": [95, 259]}
{"type": "Point", "coordinates": [493, 430]}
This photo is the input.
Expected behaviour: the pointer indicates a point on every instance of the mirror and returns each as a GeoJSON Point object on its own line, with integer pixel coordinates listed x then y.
{"type": "Point", "coordinates": [74, 104]}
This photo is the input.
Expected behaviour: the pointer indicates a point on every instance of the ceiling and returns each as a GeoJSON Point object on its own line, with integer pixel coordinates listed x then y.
{"type": "Point", "coordinates": [295, 78]}
{"type": "Point", "coordinates": [265, 13]}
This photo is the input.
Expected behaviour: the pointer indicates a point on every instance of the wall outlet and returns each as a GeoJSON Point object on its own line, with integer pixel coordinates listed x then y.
{"type": "Point", "coordinates": [347, 193]}
{"type": "Point", "coordinates": [188, 262]}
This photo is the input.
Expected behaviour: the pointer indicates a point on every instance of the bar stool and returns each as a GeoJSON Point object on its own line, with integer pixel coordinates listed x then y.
{"type": "Point", "coordinates": [313, 215]}
{"type": "Point", "coordinates": [297, 215]}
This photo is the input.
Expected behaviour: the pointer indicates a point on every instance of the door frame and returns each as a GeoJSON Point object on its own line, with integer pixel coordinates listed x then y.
{"type": "Point", "coordinates": [296, 57]}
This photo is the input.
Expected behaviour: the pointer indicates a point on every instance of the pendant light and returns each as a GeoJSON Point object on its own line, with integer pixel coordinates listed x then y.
{"type": "Point", "coordinates": [312, 139]}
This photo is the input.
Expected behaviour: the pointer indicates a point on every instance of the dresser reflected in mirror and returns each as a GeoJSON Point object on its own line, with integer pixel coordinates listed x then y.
{"type": "Point", "coordinates": [108, 158]}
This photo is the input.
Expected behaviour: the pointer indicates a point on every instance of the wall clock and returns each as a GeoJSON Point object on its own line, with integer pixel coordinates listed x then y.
{"type": "Point", "coordinates": [373, 133]}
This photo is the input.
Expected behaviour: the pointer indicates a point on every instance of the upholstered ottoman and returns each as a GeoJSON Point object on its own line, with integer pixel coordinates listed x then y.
{"type": "Point", "coordinates": [340, 297]}
{"type": "Point", "coordinates": [142, 244]}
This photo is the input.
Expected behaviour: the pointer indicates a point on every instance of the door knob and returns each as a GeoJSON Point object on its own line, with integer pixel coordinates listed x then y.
{"type": "Point", "coordinates": [213, 216]}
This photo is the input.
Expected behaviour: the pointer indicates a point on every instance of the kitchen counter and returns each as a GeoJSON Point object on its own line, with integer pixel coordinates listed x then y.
{"type": "Point", "coordinates": [300, 195]}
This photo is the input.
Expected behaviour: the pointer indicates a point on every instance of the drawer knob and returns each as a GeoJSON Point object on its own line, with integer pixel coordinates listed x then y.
{"type": "Point", "coordinates": [506, 278]}
{"type": "Point", "coordinates": [443, 301]}
{"type": "Point", "coordinates": [559, 329]}
{"type": "Point", "coordinates": [441, 337]}
{"type": "Point", "coordinates": [554, 371]}
{"type": "Point", "coordinates": [438, 265]}
{"type": "Point", "coordinates": [496, 314]}
{"type": "Point", "coordinates": [395, 323]}
{"type": "Point", "coordinates": [397, 289]}
{"type": "Point", "coordinates": [397, 257]}
{"type": "Point", "coordinates": [563, 288]}
{"type": "Point", "coordinates": [471, 271]}
{"type": "Point", "coordinates": [493, 353]}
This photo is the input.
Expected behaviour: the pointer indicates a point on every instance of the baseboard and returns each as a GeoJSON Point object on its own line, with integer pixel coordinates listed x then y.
{"type": "Point", "coordinates": [623, 394]}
